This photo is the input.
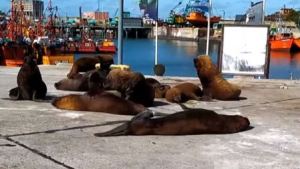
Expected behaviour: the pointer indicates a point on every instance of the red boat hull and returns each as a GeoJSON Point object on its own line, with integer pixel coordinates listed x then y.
{"type": "Point", "coordinates": [87, 47]}
{"type": "Point", "coordinates": [107, 49]}
{"type": "Point", "coordinates": [13, 55]}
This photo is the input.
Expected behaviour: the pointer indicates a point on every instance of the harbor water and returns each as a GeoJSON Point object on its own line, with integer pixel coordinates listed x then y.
{"type": "Point", "coordinates": [177, 56]}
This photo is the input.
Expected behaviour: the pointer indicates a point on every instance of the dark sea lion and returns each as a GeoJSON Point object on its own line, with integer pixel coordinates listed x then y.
{"type": "Point", "coordinates": [188, 122]}
{"type": "Point", "coordinates": [160, 89]}
{"type": "Point", "coordinates": [85, 64]}
{"type": "Point", "coordinates": [132, 86]}
{"type": "Point", "coordinates": [30, 83]}
{"type": "Point", "coordinates": [213, 84]}
{"type": "Point", "coordinates": [183, 92]}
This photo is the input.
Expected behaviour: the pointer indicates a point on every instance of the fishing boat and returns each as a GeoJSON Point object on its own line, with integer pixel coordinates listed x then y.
{"type": "Point", "coordinates": [13, 54]}
{"type": "Point", "coordinates": [198, 19]}
{"type": "Point", "coordinates": [195, 13]}
{"type": "Point", "coordinates": [107, 46]}
{"type": "Point", "coordinates": [14, 49]}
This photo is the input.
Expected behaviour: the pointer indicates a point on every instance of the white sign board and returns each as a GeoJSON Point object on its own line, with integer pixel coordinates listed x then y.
{"type": "Point", "coordinates": [245, 50]}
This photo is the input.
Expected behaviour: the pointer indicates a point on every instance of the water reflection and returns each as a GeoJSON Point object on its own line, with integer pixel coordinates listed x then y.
{"type": "Point", "coordinates": [284, 65]}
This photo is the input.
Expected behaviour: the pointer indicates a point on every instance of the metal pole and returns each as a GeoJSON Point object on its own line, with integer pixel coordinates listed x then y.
{"type": "Point", "coordinates": [156, 36]}
{"type": "Point", "coordinates": [263, 12]}
{"type": "Point", "coordinates": [156, 43]}
{"type": "Point", "coordinates": [208, 28]}
{"type": "Point", "coordinates": [120, 33]}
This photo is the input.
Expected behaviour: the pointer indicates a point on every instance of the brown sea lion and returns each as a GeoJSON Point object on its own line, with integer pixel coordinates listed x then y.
{"type": "Point", "coordinates": [188, 122]}
{"type": "Point", "coordinates": [160, 89]}
{"type": "Point", "coordinates": [97, 100]}
{"type": "Point", "coordinates": [183, 92]}
{"type": "Point", "coordinates": [85, 64]}
{"type": "Point", "coordinates": [79, 82]}
{"type": "Point", "coordinates": [102, 102]}
{"type": "Point", "coordinates": [213, 84]}
{"type": "Point", "coordinates": [30, 83]}
{"type": "Point", "coordinates": [131, 85]}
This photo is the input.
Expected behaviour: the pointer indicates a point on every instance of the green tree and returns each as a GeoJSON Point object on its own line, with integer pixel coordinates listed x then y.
{"type": "Point", "coordinates": [293, 16]}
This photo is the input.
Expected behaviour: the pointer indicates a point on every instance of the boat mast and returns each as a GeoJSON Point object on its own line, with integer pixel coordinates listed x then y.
{"type": "Point", "coordinates": [11, 26]}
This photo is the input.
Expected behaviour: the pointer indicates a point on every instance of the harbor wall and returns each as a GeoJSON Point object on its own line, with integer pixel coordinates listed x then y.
{"type": "Point", "coordinates": [194, 34]}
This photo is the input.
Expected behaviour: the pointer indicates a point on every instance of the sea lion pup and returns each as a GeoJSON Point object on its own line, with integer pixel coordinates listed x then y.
{"type": "Point", "coordinates": [213, 84]}
{"type": "Point", "coordinates": [160, 89]}
{"type": "Point", "coordinates": [30, 83]}
{"type": "Point", "coordinates": [188, 122]}
{"type": "Point", "coordinates": [131, 85]}
{"type": "Point", "coordinates": [85, 64]}
{"type": "Point", "coordinates": [97, 100]}
{"type": "Point", "coordinates": [183, 92]}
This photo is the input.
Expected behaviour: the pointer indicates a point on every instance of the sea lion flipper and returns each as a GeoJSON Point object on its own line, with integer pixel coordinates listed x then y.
{"type": "Point", "coordinates": [147, 114]}
{"type": "Point", "coordinates": [118, 131]}
{"type": "Point", "coordinates": [14, 93]}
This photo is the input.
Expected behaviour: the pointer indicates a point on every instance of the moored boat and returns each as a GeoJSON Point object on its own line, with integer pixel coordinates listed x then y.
{"type": "Point", "coordinates": [107, 46]}
{"type": "Point", "coordinates": [199, 19]}
{"type": "Point", "coordinates": [281, 42]}
{"type": "Point", "coordinates": [13, 54]}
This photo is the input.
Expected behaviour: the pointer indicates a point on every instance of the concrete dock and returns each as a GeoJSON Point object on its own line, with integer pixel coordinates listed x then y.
{"type": "Point", "coordinates": [36, 135]}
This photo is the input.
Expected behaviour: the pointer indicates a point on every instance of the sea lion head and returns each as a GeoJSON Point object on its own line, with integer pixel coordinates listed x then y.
{"type": "Point", "coordinates": [205, 66]}
{"type": "Point", "coordinates": [160, 91]}
{"type": "Point", "coordinates": [174, 95]}
{"type": "Point", "coordinates": [30, 60]}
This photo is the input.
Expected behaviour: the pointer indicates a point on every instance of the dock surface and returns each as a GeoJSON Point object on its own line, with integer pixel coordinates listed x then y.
{"type": "Point", "coordinates": [36, 135]}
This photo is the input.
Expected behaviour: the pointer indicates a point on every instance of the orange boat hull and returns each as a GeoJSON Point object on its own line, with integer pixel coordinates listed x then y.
{"type": "Point", "coordinates": [281, 44]}
{"type": "Point", "coordinates": [198, 19]}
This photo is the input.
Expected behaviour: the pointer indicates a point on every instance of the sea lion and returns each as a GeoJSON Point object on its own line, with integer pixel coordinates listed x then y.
{"type": "Point", "coordinates": [79, 82]}
{"type": "Point", "coordinates": [85, 64]}
{"type": "Point", "coordinates": [187, 122]}
{"type": "Point", "coordinates": [102, 102]}
{"type": "Point", "coordinates": [183, 92]}
{"type": "Point", "coordinates": [97, 100]}
{"type": "Point", "coordinates": [160, 89]}
{"type": "Point", "coordinates": [132, 86]}
{"type": "Point", "coordinates": [30, 83]}
{"type": "Point", "coordinates": [213, 84]}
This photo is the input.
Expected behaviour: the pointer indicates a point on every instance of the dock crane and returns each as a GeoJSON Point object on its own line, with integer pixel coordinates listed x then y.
{"type": "Point", "coordinates": [176, 19]}
{"type": "Point", "coordinates": [114, 19]}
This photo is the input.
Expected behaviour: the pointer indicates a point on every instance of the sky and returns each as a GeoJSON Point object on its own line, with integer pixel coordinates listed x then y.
{"type": "Point", "coordinates": [220, 7]}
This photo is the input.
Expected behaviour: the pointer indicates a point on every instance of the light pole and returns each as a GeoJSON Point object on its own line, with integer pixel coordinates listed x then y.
{"type": "Point", "coordinates": [120, 33]}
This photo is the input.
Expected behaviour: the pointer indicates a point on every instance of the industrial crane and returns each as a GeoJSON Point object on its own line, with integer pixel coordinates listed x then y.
{"type": "Point", "coordinates": [176, 19]}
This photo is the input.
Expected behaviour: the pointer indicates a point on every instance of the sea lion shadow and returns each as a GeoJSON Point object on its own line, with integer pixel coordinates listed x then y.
{"type": "Point", "coordinates": [238, 99]}
{"type": "Point", "coordinates": [47, 99]}
{"type": "Point", "coordinates": [159, 103]}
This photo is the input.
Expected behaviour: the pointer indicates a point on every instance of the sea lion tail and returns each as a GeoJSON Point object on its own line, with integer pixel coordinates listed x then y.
{"type": "Point", "coordinates": [121, 130]}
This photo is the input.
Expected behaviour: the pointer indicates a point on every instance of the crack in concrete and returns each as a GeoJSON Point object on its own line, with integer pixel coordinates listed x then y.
{"type": "Point", "coordinates": [66, 129]}
{"type": "Point", "coordinates": [39, 153]}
